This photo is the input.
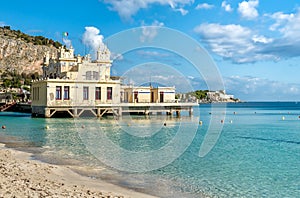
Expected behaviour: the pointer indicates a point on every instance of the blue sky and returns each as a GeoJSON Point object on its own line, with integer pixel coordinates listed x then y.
{"type": "Point", "coordinates": [254, 43]}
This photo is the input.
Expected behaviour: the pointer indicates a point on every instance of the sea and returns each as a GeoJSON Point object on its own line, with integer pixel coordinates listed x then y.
{"type": "Point", "coordinates": [248, 149]}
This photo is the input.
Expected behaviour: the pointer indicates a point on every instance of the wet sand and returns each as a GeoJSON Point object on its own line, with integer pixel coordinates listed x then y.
{"type": "Point", "coordinates": [22, 177]}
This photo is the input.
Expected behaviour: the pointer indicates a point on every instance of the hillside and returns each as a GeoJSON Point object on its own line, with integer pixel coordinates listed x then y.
{"type": "Point", "coordinates": [23, 53]}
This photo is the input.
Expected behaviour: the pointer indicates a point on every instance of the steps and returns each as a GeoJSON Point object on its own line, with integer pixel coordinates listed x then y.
{"type": "Point", "coordinates": [7, 106]}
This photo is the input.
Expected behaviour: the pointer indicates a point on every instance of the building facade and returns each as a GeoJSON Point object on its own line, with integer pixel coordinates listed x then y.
{"type": "Point", "coordinates": [70, 83]}
{"type": "Point", "coordinates": [76, 85]}
{"type": "Point", "coordinates": [148, 94]}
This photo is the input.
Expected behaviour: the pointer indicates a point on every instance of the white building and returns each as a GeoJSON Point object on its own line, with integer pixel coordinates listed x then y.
{"type": "Point", "coordinates": [70, 83]}
{"type": "Point", "coordinates": [76, 86]}
{"type": "Point", "coordinates": [148, 94]}
{"type": "Point", "coordinates": [219, 96]}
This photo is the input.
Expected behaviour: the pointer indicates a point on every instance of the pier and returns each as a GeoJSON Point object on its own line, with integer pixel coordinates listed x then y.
{"type": "Point", "coordinates": [117, 110]}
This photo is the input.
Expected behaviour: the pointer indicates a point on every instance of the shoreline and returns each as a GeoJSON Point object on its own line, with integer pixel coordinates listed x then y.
{"type": "Point", "coordinates": [22, 176]}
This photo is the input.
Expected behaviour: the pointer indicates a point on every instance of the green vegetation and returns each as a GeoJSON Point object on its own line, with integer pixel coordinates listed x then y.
{"type": "Point", "coordinates": [36, 40]}
{"type": "Point", "coordinates": [199, 94]}
{"type": "Point", "coordinates": [15, 80]}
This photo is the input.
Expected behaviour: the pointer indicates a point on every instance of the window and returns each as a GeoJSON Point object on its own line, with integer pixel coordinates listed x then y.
{"type": "Point", "coordinates": [58, 93]}
{"type": "Point", "coordinates": [98, 93]}
{"type": "Point", "coordinates": [66, 93]}
{"type": "Point", "coordinates": [85, 93]}
{"type": "Point", "coordinates": [109, 93]}
{"type": "Point", "coordinates": [95, 75]}
{"type": "Point", "coordinates": [136, 96]}
{"type": "Point", "coordinates": [161, 96]}
{"type": "Point", "coordinates": [92, 75]}
{"type": "Point", "coordinates": [88, 75]}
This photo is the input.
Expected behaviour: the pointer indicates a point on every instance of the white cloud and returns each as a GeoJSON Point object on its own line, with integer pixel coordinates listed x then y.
{"type": "Point", "coordinates": [92, 38]}
{"type": "Point", "coordinates": [227, 7]}
{"type": "Point", "coordinates": [226, 40]}
{"type": "Point", "coordinates": [152, 54]}
{"type": "Point", "coordinates": [149, 32]}
{"type": "Point", "coordinates": [157, 73]}
{"type": "Point", "coordinates": [254, 88]}
{"type": "Point", "coordinates": [67, 42]}
{"type": "Point", "coordinates": [281, 19]}
{"type": "Point", "coordinates": [287, 42]}
{"type": "Point", "coordinates": [182, 11]}
{"type": "Point", "coordinates": [242, 44]}
{"type": "Point", "coordinates": [127, 8]}
{"type": "Point", "coordinates": [204, 6]}
{"type": "Point", "coordinates": [287, 24]}
{"type": "Point", "coordinates": [248, 10]}
{"type": "Point", "coordinates": [235, 42]}
{"type": "Point", "coordinates": [262, 39]}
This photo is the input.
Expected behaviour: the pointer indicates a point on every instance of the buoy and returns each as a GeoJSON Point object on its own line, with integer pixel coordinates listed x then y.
{"type": "Point", "coordinates": [231, 121]}
{"type": "Point", "coordinates": [46, 127]}
{"type": "Point", "coordinates": [3, 127]}
{"type": "Point", "coordinates": [283, 118]}
{"type": "Point", "coordinates": [200, 122]}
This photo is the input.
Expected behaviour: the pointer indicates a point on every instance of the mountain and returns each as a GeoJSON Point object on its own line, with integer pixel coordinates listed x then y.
{"type": "Point", "coordinates": [23, 53]}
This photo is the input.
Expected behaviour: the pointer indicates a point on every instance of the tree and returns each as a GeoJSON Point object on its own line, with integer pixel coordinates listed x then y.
{"type": "Point", "coordinates": [57, 44]}
{"type": "Point", "coordinates": [16, 83]}
{"type": "Point", "coordinates": [201, 94]}
{"type": "Point", "coordinates": [27, 81]}
{"type": "Point", "coordinates": [35, 76]}
{"type": "Point", "coordinates": [6, 83]}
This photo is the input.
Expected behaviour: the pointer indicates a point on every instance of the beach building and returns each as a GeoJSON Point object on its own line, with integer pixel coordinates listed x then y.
{"type": "Point", "coordinates": [134, 94]}
{"type": "Point", "coordinates": [77, 86]}
{"type": "Point", "coordinates": [163, 94]}
{"type": "Point", "coordinates": [149, 94]}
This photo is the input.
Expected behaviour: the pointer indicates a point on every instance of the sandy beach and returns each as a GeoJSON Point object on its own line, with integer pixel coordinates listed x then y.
{"type": "Point", "coordinates": [22, 177]}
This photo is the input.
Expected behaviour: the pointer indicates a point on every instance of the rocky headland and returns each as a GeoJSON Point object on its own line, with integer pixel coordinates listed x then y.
{"type": "Point", "coordinates": [23, 53]}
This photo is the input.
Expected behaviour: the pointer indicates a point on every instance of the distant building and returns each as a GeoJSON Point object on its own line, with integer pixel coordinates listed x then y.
{"type": "Point", "coordinates": [219, 96]}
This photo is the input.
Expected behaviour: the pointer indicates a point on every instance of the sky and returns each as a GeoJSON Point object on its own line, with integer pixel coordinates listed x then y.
{"type": "Point", "coordinates": [255, 44]}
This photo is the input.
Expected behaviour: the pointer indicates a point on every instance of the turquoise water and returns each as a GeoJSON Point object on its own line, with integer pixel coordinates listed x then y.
{"type": "Point", "coordinates": [256, 155]}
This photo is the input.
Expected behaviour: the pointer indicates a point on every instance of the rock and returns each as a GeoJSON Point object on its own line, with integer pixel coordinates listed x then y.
{"type": "Point", "coordinates": [17, 54]}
